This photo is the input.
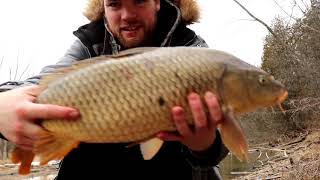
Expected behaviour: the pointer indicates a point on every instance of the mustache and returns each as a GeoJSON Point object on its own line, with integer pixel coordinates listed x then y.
{"type": "Point", "coordinates": [130, 23]}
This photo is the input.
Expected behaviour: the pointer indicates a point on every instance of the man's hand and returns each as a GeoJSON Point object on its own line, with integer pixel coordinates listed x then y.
{"type": "Point", "coordinates": [18, 114]}
{"type": "Point", "coordinates": [203, 135]}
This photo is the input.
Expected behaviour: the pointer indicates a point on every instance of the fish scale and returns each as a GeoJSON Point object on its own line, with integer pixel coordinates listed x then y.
{"type": "Point", "coordinates": [158, 79]}
{"type": "Point", "coordinates": [128, 97]}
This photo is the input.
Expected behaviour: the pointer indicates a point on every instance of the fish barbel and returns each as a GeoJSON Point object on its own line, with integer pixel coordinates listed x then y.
{"type": "Point", "coordinates": [128, 98]}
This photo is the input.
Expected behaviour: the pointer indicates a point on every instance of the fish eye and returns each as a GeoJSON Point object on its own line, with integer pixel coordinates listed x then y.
{"type": "Point", "coordinates": [271, 78]}
{"type": "Point", "coordinates": [262, 80]}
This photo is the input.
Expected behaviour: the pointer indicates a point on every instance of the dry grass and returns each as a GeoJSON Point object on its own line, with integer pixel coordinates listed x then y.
{"type": "Point", "coordinates": [9, 171]}
{"type": "Point", "coordinates": [297, 159]}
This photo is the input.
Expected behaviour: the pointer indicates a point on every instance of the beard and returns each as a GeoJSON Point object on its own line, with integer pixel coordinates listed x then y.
{"type": "Point", "coordinates": [142, 36]}
{"type": "Point", "coordinates": [134, 33]}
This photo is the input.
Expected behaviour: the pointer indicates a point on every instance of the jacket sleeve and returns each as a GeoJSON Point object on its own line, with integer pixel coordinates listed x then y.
{"type": "Point", "coordinates": [197, 41]}
{"type": "Point", "coordinates": [76, 52]}
{"type": "Point", "coordinates": [217, 152]}
{"type": "Point", "coordinates": [211, 157]}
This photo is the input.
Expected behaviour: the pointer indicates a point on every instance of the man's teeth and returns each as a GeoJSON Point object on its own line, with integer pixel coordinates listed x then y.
{"type": "Point", "coordinates": [130, 28]}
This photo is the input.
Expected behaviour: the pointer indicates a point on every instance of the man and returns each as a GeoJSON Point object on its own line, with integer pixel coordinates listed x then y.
{"type": "Point", "coordinates": [117, 25]}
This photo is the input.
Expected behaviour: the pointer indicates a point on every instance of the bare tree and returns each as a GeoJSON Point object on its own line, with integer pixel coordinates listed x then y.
{"type": "Point", "coordinates": [292, 56]}
{"type": "Point", "coordinates": [290, 15]}
{"type": "Point", "coordinates": [296, 63]}
{"type": "Point", "coordinates": [255, 18]}
{"type": "Point", "coordinates": [17, 66]}
{"type": "Point", "coordinates": [1, 61]}
{"type": "Point", "coordinates": [5, 146]}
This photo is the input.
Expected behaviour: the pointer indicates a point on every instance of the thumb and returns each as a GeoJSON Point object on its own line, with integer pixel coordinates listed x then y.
{"type": "Point", "coordinates": [49, 111]}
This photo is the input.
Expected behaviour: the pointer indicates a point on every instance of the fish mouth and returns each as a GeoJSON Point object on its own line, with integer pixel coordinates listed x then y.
{"type": "Point", "coordinates": [281, 98]}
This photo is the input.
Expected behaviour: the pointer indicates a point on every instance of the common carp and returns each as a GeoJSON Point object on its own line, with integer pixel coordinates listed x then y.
{"type": "Point", "coordinates": [128, 98]}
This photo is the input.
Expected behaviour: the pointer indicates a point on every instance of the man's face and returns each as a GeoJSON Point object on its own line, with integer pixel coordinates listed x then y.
{"type": "Point", "coordinates": [132, 22]}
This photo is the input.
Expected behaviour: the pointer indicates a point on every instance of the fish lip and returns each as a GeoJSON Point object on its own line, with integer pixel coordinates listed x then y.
{"type": "Point", "coordinates": [283, 96]}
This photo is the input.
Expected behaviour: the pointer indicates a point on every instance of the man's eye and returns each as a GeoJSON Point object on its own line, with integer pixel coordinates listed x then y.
{"type": "Point", "coordinates": [113, 4]}
{"type": "Point", "coordinates": [140, 1]}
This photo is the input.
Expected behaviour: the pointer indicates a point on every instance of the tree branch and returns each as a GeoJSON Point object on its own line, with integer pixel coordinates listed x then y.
{"type": "Point", "coordinates": [289, 15]}
{"type": "Point", "coordinates": [24, 71]}
{"type": "Point", "coordinates": [17, 66]}
{"type": "Point", "coordinates": [304, 3]}
{"type": "Point", "coordinates": [257, 19]}
{"type": "Point", "coordinates": [294, 18]}
{"type": "Point", "coordinates": [303, 12]}
{"type": "Point", "coordinates": [1, 61]}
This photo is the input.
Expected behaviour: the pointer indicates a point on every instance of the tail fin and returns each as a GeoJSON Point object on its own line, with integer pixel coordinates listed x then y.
{"type": "Point", "coordinates": [25, 158]}
{"type": "Point", "coordinates": [51, 147]}
{"type": "Point", "coordinates": [233, 137]}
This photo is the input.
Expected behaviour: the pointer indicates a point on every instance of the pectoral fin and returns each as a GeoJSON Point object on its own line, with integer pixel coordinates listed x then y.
{"type": "Point", "coordinates": [233, 137]}
{"type": "Point", "coordinates": [51, 147]}
{"type": "Point", "coordinates": [150, 148]}
{"type": "Point", "coordinates": [23, 157]}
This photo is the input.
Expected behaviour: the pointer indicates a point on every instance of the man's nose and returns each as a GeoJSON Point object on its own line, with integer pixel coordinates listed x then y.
{"type": "Point", "coordinates": [129, 13]}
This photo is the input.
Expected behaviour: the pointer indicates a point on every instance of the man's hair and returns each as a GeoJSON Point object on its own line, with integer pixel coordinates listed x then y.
{"type": "Point", "coordinates": [189, 10]}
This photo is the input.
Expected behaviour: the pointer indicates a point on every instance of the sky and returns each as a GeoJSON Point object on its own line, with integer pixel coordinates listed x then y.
{"type": "Point", "coordinates": [36, 33]}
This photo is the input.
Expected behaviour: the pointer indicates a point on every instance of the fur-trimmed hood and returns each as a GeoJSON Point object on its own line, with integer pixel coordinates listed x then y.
{"type": "Point", "coordinates": [190, 12]}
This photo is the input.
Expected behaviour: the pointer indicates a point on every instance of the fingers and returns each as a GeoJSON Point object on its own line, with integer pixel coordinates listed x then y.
{"type": "Point", "coordinates": [25, 133]}
{"type": "Point", "coordinates": [24, 140]}
{"type": "Point", "coordinates": [33, 131]}
{"type": "Point", "coordinates": [47, 111]}
{"type": "Point", "coordinates": [180, 122]}
{"type": "Point", "coordinates": [26, 147]}
{"type": "Point", "coordinates": [44, 111]}
{"type": "Point", "coordinates": [34, 90]}
{"type": "Point", "coordinates": [197, 110]}
{"type": "Point", "coordinates": [167, 136]}
{"type": "Point", "coordinates": [214, 108]}
{"type": "Point", "coordinates": [25, 143]}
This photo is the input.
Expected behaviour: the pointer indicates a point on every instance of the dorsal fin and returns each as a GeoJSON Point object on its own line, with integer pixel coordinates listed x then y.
{"type": "Point", "coordinates": [135, 51]}
{"type": "Point", "coordinates": [61, 72]}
